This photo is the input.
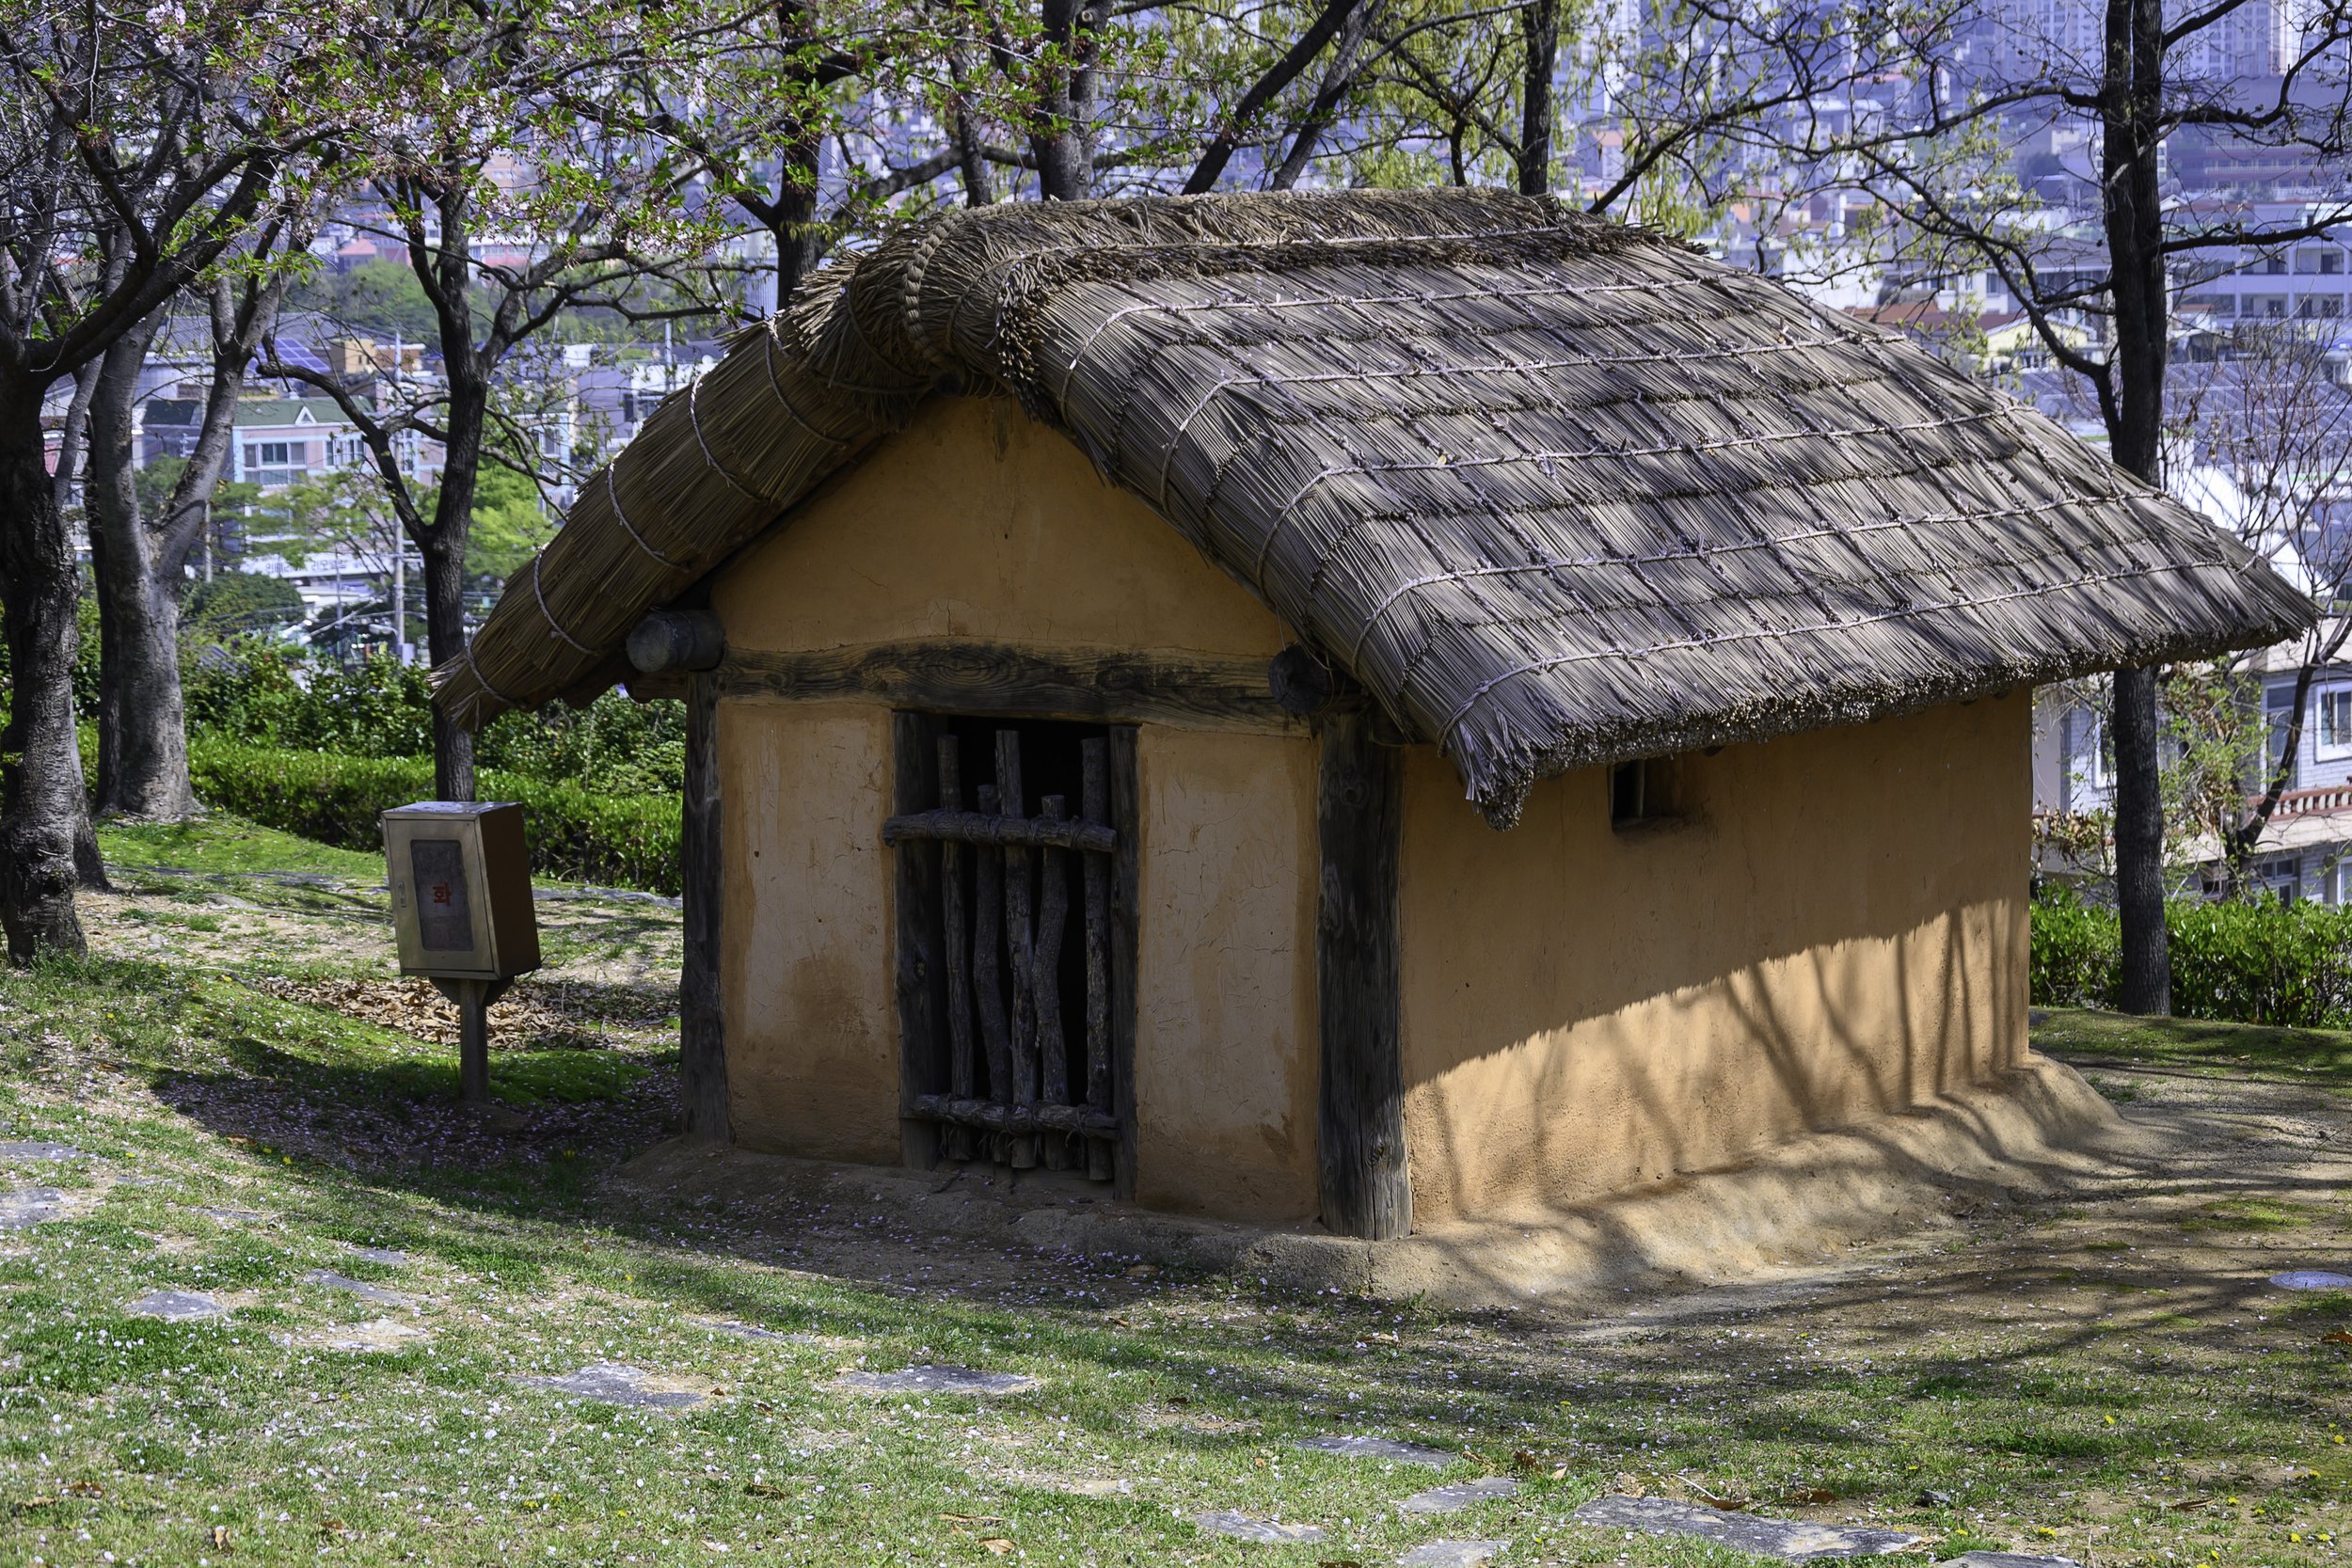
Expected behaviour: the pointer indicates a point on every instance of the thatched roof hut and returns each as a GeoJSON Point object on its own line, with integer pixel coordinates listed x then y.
{"type": "Point", "coordinates": [1077, 779]}
{"type": "Point", "coordinates": [1555, 490]}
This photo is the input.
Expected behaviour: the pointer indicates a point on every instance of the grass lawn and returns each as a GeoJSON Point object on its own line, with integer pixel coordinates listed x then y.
{"type": "Point", "coordinates": [257, 1102]}
{"type": "Point", "coordinates": [2319, 1058]}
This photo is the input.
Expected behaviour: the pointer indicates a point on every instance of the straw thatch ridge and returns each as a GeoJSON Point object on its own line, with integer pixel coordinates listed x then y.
{"type": "Point", "coordinates": [1555, 491]}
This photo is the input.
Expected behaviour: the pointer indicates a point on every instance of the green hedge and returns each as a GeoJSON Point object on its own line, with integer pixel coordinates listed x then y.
{"type": "Point", "coordinates": [2263, 962]}
{"type": "Point", "coordinates": [610, 840]}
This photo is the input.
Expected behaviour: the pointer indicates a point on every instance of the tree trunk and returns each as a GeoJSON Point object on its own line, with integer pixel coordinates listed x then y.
{"type": "Point", "coordinates": [1339, 76]}
{"type": "Point", "coordinates": [445, 639]}
{"type": "Point", "coordinates": [800, 241]}
{"type": "Point", "coordinates": [2131, 98]}
{"type": "Point", "coordinates": [2145, 978]}
{"type": "Point", "coordinates": [1065, 164]}
{"type": "Point", "coordinates": [142, 729]}
{"type": "Point", "coordinates": [73, 433]}
{"type": "Point", "coordinates": [44, 815]}
{"type": "Point", "coordinates": [971, 158]}
{"type": "Point", "coordinates": [1539, 26]}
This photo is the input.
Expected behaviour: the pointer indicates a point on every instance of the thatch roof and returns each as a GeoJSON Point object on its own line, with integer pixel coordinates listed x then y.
{"type": "Point", "coordinates": [1554, 490]}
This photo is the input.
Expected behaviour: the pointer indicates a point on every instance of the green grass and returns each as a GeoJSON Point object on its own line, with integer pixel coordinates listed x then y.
{"type": "Point", "coordinates": [1924, 1406]}
{"type": "Point", "coordinates": [2318, 1057]}
{"type": "Point", "coordinates": [229, 846]}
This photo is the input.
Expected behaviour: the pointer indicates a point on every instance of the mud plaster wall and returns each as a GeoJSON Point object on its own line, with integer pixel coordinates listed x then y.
{"type": "Point", "coordinates": [1226, 1049]}
{"type": "Point", "coordinates": [1838, 928]}
{"type": "Point", "coordinates": [975, 523]}
{"type": "Point", "coordinates": [804, 923]}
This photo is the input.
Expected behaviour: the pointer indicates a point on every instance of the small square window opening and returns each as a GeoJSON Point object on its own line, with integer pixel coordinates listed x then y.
{"type": "Point", "coordinates": [1647, 789]}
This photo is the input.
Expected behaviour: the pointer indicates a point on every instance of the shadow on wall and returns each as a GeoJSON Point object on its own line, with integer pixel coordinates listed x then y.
{"type": "Point", "coordinates": [1834, 927]}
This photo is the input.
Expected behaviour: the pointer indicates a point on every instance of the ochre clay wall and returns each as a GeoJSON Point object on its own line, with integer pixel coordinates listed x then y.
{"type": "Point", "coordinates": [804, 928]}
{"type": "Point", "coordinates": [1838, 928]}
{"type": "Point", "coordinates": [1225, 1040]}
{"type": "Point", "coordinates": [975, 524]}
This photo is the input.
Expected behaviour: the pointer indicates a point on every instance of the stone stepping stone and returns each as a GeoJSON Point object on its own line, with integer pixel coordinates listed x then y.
{"type": "Point", "coordinates": [611, 1383]}
{"type": "Point", "coordinates": [1792, 1540]}
{"type": "Point", "coordinates": [376, 1334]}
{"type": "Point", "coordinates": [937, 1380]}
{"type": "Point", "coordinates": [28, 1207]}
{"type": "Point", "coordinates": [2311, 1279]}
{"type": "Point", "coordinates": [1095, 1486]}
{"type": "Point", "coordinates": [2006, 1560]}
{"type": "Point", "coordinates": [391, 1257]}
{"type": "Point", "coordinates": [1241, 1526]}
{"type": "Point", "coordinates": [748, 1331]}
{"type": "Point", "coordinates": [1358, 1446]}
{"type": "Point", "coordinates": [359, 1288]}
{"type": "Point", "coordinates": [1457, 1495]}
{"type": "Point", "coordinates": [1451, 1554]}
{"type": "Point", "coordinates": [16, 1150]}
{"type": "Point", "coordinates": [176, 1306]}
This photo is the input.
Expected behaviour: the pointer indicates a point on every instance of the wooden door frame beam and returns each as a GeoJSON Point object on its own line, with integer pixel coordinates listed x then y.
{"type": "Point", "coordinates": [1360, 1149]}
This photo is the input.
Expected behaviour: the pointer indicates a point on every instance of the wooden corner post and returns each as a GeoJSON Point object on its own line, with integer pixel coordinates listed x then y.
{"type": "Point", "coordinates": [1360, 1126]}
{"type": "Point", "coordinates": [702, 1019]}
{"type": "Point", "coordinates": [922, 985]}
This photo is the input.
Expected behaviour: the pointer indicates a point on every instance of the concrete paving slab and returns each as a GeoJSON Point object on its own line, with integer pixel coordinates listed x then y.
{"type": "Point", "coordinates": [1353, 1446]}
{"type": "Point", "coordinates": [612, 1383]}
{"type": "Point", "coordinates": [23, 1151]}
{"type": "Point", "coordinates": [1457, 1495]}
{"type": "Point", "coordinates": [359, 1288]}
{"type": "Point", "coordinates": [1266, 1532]}
{"type": "Point", "coordinates": [937, 1380]}
{"type": "Point", "coordinates": [175, 1307]}
{"type": "Point", "coordinates": [1792, 1539]}
{"type": "Point", "coordinates": [28, 1207]}
{"type": "Point", "coordinates": [2311, 1279]}
{"type": "Point", "coordinates": [1451, 1554]}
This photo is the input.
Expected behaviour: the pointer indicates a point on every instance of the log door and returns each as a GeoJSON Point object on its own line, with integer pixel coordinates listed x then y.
{"type": "Point", "coordinates": [1016, 925]}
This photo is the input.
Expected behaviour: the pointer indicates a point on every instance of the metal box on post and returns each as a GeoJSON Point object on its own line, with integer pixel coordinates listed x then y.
{"type": "Point", "coordinates": [462, 910]}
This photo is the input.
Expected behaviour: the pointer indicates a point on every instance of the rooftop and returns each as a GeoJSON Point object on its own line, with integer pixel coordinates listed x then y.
{"type": "Point", "coordinates": [1554, 490]}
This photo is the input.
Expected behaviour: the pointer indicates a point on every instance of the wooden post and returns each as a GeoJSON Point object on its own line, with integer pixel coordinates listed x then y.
{"type": "Point", "coordinates": [1126, 904]}
{"type": "Point", "coordinates": [1360, 1127]}
{"type": "Point", "coordinates": [702, 1019]}
{"type": "Point", "coordinates": [922, 973]}
{"type": "Point", "coordinates": [1094, 804]}
{"type": "Point", "coordinates": [1020, 944]}
{"type": "Point", "coordinates": [1053, 918]}
{"type": "Point", "coordinates": [473, 998]}
{"type": "Point", "coordinates": [956, 1141]}
{"type": "Point", "coordinates": [473, 1042]}
{"type": "Point", "coordinates": [988, 945]}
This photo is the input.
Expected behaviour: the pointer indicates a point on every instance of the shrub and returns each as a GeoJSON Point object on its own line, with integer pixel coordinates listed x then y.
{"type": "Point", "coordinates": [2074, 948]}
{"type": "Point", "coordinates": [2266, 962]}
{"type": "Point", "coordinates": [615, 745]}
{"type": "Point", "coordinates": [264, 694]}
{"type": "Point", "coordinates": [613, 840]}
{"type": "Point", "coordinates": [2288, 965]}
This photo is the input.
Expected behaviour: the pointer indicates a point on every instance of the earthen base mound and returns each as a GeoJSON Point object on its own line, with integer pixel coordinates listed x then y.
{"type": "Point", "coordinates": [2034, 1133]}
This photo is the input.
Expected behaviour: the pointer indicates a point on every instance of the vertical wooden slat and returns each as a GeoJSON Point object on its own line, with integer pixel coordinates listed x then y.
{"type": "Point", "coordinates": [1020, 944]}
{"type": "Point", "coordinates": [1094, 804]}
{"type": "Point", "coordinates": [988, 938]}
{"type": "Point", "coordinates": [956, 1141]}
{"type": "Point", "coordinates": [1367, 1190]}
{"type": "Point", "coordinates": [922, 999]}
{"type": "Point", "coordinates": [1053, 918]}
{"type": "Point", "coordinates": [1127, 903]}
{"type": "Point", "coordinates": [702, 1017]}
